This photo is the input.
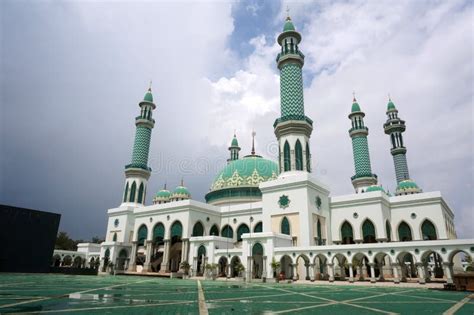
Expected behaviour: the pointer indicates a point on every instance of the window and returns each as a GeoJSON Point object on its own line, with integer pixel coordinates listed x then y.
{"type": "Point", "coordinates": [389, 231]}
{"type": "Point", "coordinates": [285, 226]}
{"type": "Point", "coordinates": [125, 194]}
{"type": "Point", "coordinates": [158, 233]}
{"type": "Point", "coordinates": [298, 156]}
{"type": "Point", "coordinates": [132, 192]}
{"type": "Point", "coordinates": [347, 235]}
{"type": "Point", "coordinates": [286, 157]}
{"type": "Point", "coordinates": [308, 158]}
{"type": "Point", "coordinates": [176, 229]}
{"type": "Point", "coordinates": [258, 227]}
{"type": "Point", "coordinates": [368, 232]}
{"type": "Point", "coordinates": [227, 232]}
{"type": "Point", "coordinates": [114, 238]}
{"type": "Point", "coordinates": [140, 193]}
{"type": "Point", "coordinates": [214, 230]}
{"type": "Point", "coordinates": [242, 229]}
{"type": "Point", "coordinates": [142, 235]}
{"type": "Point", "coordinates": [428, 230]}
{"type": "Point", "coordinates": [318, 232]}
{"type": "Point", "coordinates": [198, 229]}
{"type": "Point", "coordinates": [404, 232]}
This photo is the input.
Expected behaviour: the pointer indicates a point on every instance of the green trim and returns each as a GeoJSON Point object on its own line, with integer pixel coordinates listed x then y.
{"type": "Point", "coordinates": [293, 117]}
{"type": "Point", "coordinates": [236, 192]}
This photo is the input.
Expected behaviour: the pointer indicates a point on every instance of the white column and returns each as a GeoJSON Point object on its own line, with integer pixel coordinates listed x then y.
{"type": "Point", "coordinates": [146, 265]}
{"type": "Point", "coordinates": [294, 271]}
{"type": "Point", "coordinates": [264, 267]}
{"type": "Point", "coordinates": [195, 271]}
{"type": "Point", "coordinates": [372, 273]}
{"type": "Point", "coordinates": [396, 278]}
{"type": "Point", "coordinates": [351, 274]}
{"type": "Point", "coordinates": [331, 272]}
{"type": "Point", "coordinates": [166, 254]}
{"type": "Point", "coordinates": [421, 273]}
{"type": "Point", "coordinates": [132, 266]}
{"type": "Point", "coordinates": [448, 270]}
{"type": "Point", "coordinates": [249, 268]}
{"type": "Point", "coordinates": [343, 272]}
{"type": "Point", "coordinates": [311, 272]}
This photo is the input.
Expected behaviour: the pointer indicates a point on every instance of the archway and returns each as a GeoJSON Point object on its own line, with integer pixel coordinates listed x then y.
{"type": "Point", "coordinates": [234, 263]}
{"type": "Point", "coordinates": [286, 268]}
{"type": "Point", "coordinates": [198, 229]}
{"type": "Point", "coordinates": [347, 235]}
{"type": "Point", "coordinates": [201, 260]}
{"type": "Point", "coordinates": [106, 259]}
{"type": "Point", "coordinates": [257, 261]}
{"type": "Point", "coordinates": [460, 261]}
{"type": "Point", "coordinates": [360, 266]}
{"type": "Point", "coordinates": [158, 247]}
{"type": "Point", "coordinates": [92, 263]}
{"type": "Point", "coordinates": [77, 262]}
{"type": "Point", "coordinates": [428, 231]}
{"type": "Point", "coordinates": [176, 233]}
{"type": "Point", "coordinates": [320, 267]}
{"type": "Point", "coordinates": [142, 236]}
{"type": "Point", "coordinates": [223, 266]}
{"type": "Point", "coordinates": [227, 231]}
{"type": "Point", "coordinates": [341, 269]}
{"type": "Point", "coordinates": [67, 261]}
{"type": "Point", "coordinates": [383, 266]}
{"type": "Point", "coordinates": [433, 264]}
{"type": "Point", "coordinates": [404, 232]}
{"type": "Point", "coordinates": [56, 261]}
{"type": "Point", "coordinates": [368, 232]}
{"type": "Point", "coordinates": [122, 259]}
{"type": "Point", "coordinates": [214, 230]}
{"type": "Point", "coordinates": [242, 229]}
{"type": "Point", "coordinates": [302, 268]}
{"type": "Point", "coordinates": [408, 266]}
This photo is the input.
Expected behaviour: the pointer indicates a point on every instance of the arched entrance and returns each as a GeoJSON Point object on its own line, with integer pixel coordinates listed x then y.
{"type": "Point", "coordinates": [320, 267]}
{"type": "Point", "coordinates": [122, 259]}
{"type": "Point", "coordinates": [141, 251]}
{"type": "Point", "coordinates": [302, 268]}
{"type": "Point", "coordinates": [407, 265]}
{"type": "Point", "coordinates": [257, 261]}
{"type": "Point", "coordinates": [158, 247]}
{"type": "Point", "coordinates": [360, 266]}
{"type": "Point", "coordinates": [175, 246]}
{"type": "Point", "coordinates": [223, 266]}
{"type": "Point", "coordinates": [234, 263]}
{"type": "Point", "coordinates": [67, 261]}
{"type": "Point", "coordinates": [77, 262]}
{"type": "Point", "coordinates": [286, 268]}
{"type": "Point", "coordinates": [201, 260]}
{"type": "Point", "coordinates": [433, 264]}
{"type": "Point", "coordinates": [341, 269]}
{"type": "Point", "coordinates": [56, 261]}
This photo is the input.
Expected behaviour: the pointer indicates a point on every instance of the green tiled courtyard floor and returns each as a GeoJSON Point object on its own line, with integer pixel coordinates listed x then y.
{"type": "Point", "coordinates": [51, 293]}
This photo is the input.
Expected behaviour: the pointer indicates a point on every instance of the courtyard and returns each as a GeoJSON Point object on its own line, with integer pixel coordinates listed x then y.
{"type": "Point", "coordinates": [51, 293]}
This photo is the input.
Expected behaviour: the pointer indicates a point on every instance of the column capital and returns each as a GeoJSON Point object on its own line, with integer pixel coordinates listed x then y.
{"type": "Point", "coordinates": [134, 242]}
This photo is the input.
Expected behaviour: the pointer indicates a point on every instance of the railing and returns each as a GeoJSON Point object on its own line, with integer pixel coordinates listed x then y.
{"type": "Point", "coordinates": [290, 52]}
{"type": "Point", "coordinates": [358, 128]}
{"type": "Point", "coordinates": [363, 175]}
{"type": "Point", "coordinates": [293, 117]}
{"type": "Point", "coordinates": [136, 165]}
{"type": "Point", "coordinates": [140, 117]}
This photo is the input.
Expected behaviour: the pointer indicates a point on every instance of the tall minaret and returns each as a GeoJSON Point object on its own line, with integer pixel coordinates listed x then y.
{"type": "Point", "coordinates": [363, 177]}
{"type": "Point", "coordinates": [138, 172]}
{"type": "Point", "coordinates": [293, 129]}
{"type": "Point", "coordinates": [234, 149]}
{"type": "Point", "coordinates": [394, 127]}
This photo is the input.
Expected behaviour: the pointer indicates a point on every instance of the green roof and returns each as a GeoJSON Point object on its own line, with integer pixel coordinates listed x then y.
{"type": "Point", "coordinates": [390, 105]}
{"type": "Point", "coordinates": [407, 184]}
{"type": "Point", "coordinates": [148, 96]}
{"type": "Point", "coordinates": [248, 171]}
{"type": "Point", "coordinates": [355, 107]}
{"type": "Point", "coordinates": [374, 188]}
{"type": "Point", "coordinates": [234, 142]}
{"type": "Point", "coordinates": [288, 25]}
{"type": "Point", "coordinates": [164, 193]}
{"type": "Point", "coordinates": [181, 190]}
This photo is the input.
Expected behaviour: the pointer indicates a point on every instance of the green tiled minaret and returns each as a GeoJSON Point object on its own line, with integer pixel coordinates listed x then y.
{"type": "Point", "coordinates": [395, 127]}
{"type": "Point", "coordinates": [138, 172]}
{"type": "Point", "coordinates": [363, 177]}
{"type": "Point", "coordinates": [293, 129]}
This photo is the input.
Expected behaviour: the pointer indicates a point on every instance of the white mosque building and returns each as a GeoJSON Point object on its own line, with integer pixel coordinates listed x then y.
{"type": "Point", "coordinates": [258, 211]}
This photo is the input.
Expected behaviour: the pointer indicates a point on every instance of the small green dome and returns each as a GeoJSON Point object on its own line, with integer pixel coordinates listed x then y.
{"type": "Point", "coordinates": [181, 192]}
{"type": "Point", "coordinates": [390, 105]}
{"type": "Point", "coordinates": [164, 193]}
{"type": "Point", "coordinates": [234, 142]}
{"type": "Point", "coordinates": [407, 184]}
{"type": "Point", "coordinates": [374, 188]}
{"type": "Point", "coordinates": [355, 107]}
{"type": "Point", "coordinates": [148, 96]}
{"type": "Point", "coordinates": [288, 25]}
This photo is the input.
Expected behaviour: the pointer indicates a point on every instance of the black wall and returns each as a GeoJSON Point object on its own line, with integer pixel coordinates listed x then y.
{"type": "Point", "coordinates": [27, 239]}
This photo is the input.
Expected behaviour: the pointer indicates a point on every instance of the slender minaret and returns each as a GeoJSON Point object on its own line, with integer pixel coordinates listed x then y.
{"type": "Point", "coordinates": [234, 149]}
{"type": "Point", "coordinates": [293, 129]}
{"type": "Point", "coordinates": [395, 127]}
{"type": "Point", "coordinates": [363, 177]}
{"type": "Point", "coordinates": [138, 172]}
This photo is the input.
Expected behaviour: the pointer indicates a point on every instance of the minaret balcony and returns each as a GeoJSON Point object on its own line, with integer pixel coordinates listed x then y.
{"type": "Point", "coordinates": [393, 126]}
{"type": "Point", "coordinates": [139, 120]}
{"type": "Point", "coordinates": [363, 175]}
{"type": "Point", "coordinates": [363, 131]}
{"type": "Point", "coordinates": [283, 59]}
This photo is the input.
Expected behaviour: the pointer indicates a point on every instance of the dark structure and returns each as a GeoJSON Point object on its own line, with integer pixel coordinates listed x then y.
{"type": "Point", "coordinates": [27, 238]}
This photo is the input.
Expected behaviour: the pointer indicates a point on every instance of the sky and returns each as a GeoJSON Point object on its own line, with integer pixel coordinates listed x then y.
{"type": "Point", "coordinates": [73, 72]}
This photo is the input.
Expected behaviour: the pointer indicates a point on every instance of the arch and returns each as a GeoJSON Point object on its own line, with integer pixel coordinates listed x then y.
{"type": "Point", "coordinates": [158, 233]}
{"type": "Point", "coordinates": [107, 253]}
{"type": "Point", "coordinates": [434, 264]}
{"type": "Point", "coordinates": [140, 193]}
{"type": "Point", "coordinates": [388, 230]}
{"type": "Point", "coordinates": [347, 234]}
{"type": "Point", "coordinates": [457, 251]}
{"type": "Point", "coordinates": [234, 263]}
{"type": "Point", "coordinates": [67, 260]}
{"type": "Point", "coordinates": [428, 231]}
{"type": "Point", "coordinates": [408, 265]}
{"type": "Point", "coordinates": [114, 238]}
{"type": "Point", "coordinates": [77, 262]}
{"type": "Point", "coordinates": [57, 261]}
{"type": "Point", "coordinates": [142, 235]}
{"type": "Point", "coordinates": [176, 229]}
{"type": "Point", "coordinates": [308, 158]}
{"type": "Point", "coordinates": [285, 226]}
{"type": "Point", "coordinates": [286, 268]}
{"type": "Point", "coordinates": [257, 261]}
{"type": "Point", "coordinates": [132, 192]}
{"type": "Point", "coordinates": [198, 229]}
{"type": "Point", "coordinates": [223, 262]}
{"type": "Point", "coordinates": [404, 232]}
{"type": "Point", "coordinates": [368, 232]}
{"type": "Point", "coordinates": [286, 157]}
{"type": "Point", "coordinates": [227, 231]}
{"type": "Point", "coordinates": [258, 228]}
{"type": "Point", "coordinates": [202, 250]}
{"type": "Point", "coordinates": [125, 194]}
{"type": "Point", "coordinates": [243, 228]}
{"type": "Point", "coordinates": [298, 156]}
{"type": "Point", "coordinates": [201, 254]}
{"type": "Point", "coordinates": [257, 249]}
{"type": "Point", "coordinates": [214, 230]}
{"type": "Point", "coordinates": [121, 259]}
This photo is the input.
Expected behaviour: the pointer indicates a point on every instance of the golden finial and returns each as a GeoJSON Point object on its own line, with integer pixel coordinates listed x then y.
{"type": "Point", "coordinates": [288, 13]}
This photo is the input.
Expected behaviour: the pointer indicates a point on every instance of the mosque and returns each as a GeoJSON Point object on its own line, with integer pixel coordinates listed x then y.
{"type": "Point", "coordinates": [260, 212]}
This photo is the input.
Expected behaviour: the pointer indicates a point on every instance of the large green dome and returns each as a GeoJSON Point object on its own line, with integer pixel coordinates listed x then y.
{"type": "Point", "coordinates": [240, 178]}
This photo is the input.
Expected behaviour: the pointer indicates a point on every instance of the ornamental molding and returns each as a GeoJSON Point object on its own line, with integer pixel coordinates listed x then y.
{"type": "Point", "coordinates": [284, 201]}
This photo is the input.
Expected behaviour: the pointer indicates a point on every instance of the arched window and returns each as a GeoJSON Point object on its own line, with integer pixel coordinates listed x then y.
{"type": "Point", "coordinates": [308, 158]}
{"type": "Point", "coordinates": [140, 193]}
{"type": "Point", "coordinates": [159, 233]}
{"type": "Point", "coordinates": [227, 231]}
{"type": "Point", "coordinates": [388, 230]}
{"type": "Point", "coordinates": [176, 229]}
{"type": "Point", "coordinates": [125, 194]}
{"type": "Point", "coordinates": [201, 251]}
{"type": "Point", "coordinates": [142, 235]}
{"type": "Point", "coordinates": [198, 229]}
{"type": "Point", "coordinates": [214, 230]}
{"type": "Point", "coordinates": [404, 232]}
{"type": "Point", "coordinates": [107, 253]}
{"type": "Point", "coordinates": [347, 235]}
{"type": "Point", "coordinates": [286, 157]}
{"type": "Point", "coordinates": [298, 156]}
{"type": "Point", "coordinates": [428, 230]}
{"type": "Point", "coordinates": [257, 249]}
{"type": "Point", "coordinates": [242, 229]}
{"type": "Point", "coordinates": [285, 226]}
{"type": "Point", "coordinates": [114, 238]}
{"type": "Point", "coordinates": [258, 227]}
{"type": "Point", "coordinates": [132, 192]}
{"type": "Point", "coordinates": [368, 232]}
{"type": "Point", "coordinates": [319, 233]}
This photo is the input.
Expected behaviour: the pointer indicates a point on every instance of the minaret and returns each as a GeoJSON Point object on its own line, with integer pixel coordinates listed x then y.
{"type": "Point", "coordinates": [234, 149]}
{"type": "Point", "coordinates": [138, 172]}
{"type": "Point", "coordinates": [395, 127]}
{"type": "Point", "coordinates": [293, 129]}
{"type": "Point", "coordinates": [363, 177]}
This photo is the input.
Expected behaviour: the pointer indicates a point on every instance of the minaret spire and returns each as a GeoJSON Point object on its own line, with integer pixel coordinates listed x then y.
{"type": "Point", "coordinates": [293, 128]}
{"type": "Point", "coordinates": [253, 142]}
{"type": "Point", "coordinates": [234, 149]}
{"type": "Point", "coordinates": [395, 127]}
{"type": "Point", "coordinates": [363, 177]}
